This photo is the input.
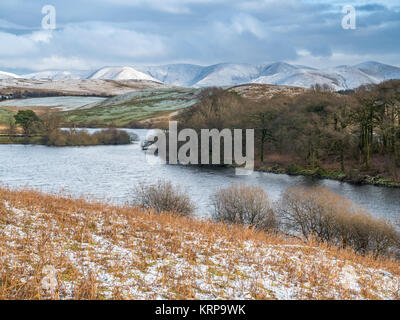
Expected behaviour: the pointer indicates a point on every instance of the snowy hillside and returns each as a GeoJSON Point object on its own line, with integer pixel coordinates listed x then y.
{"type": "Point", "coordinates": [56, 75]}
{"type": "Point", "coordinates": [226, 74]}
{"type": "Point", "coordinates": [280, 73]}
{"type": "Point", "coordinates": [353, 77]}
{"type": "Point", "coordinates": [174, 74]}
{"type": "Point", "coordinates": [301, 78]}
{"type": "Point", "coordinates": [380, 71]}
{"type": "Point", "coordinates": [232, 74]}
{"type": "Point", "coordinates": [7, 75]}
{"type": "Point", "coordinates": [120, 73]}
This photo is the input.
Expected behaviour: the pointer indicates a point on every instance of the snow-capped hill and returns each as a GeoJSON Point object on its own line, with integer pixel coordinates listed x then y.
{"type": "Point", "coordinates": [55, 75]}
{"type": "Point", "coordinates": [233, 74]}
{"type": "Point", "coordinates": [227, 74]}
{"type": "Point", "coordinates": [303, 78]}
{"type": "Point", "coordinates": [188, 75]}
{"type": "Point", "coordinates": [278, 67]}
{"type": "Point", "coordinates": [8, 75]}
{"type": "Point", "coordinates": [339, 78]}
{"type": "Point", "coordinates": [223, 74]}
{"type": "Point", "coordinates": [279, 73]}
{"type": "Point", "coordinates": [379, 71]}
{"type": "Point", "coordinates": [353, 77]}
{"type": "Point", "coordinates": [121, 73]}
{"type": "Point", "coordinates": [306, 78]}
{"type": "Point", "coordinates": [174, 74]}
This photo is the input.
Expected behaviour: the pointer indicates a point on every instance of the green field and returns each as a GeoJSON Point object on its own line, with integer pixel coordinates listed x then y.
{"type": "Point", "coordinates": [5, 115]}
{"type": "Point", "coordinates": [138, 105]}
{"type": "Point", "coordinates": [122, 110]}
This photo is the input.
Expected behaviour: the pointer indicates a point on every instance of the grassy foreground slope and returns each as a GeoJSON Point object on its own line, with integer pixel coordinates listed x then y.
{"type": "Point", "coordinates": [98, 251]}
{"type": "Point", "coordinates": [135, 106]}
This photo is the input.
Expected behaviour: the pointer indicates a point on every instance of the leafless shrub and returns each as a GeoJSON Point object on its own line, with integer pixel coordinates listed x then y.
{"type": "Point", "coordinates": [163, 196]}
{"type": "Point", "coordinates": [241, 204]}
{"type": "Point", "coordinates": [318, 212]}
{"type": "Point", "coordinates": [72, 137]}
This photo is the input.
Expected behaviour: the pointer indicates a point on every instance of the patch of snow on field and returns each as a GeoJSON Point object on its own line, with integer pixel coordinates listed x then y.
{"type": "Point", "coordinates": [62, 103]}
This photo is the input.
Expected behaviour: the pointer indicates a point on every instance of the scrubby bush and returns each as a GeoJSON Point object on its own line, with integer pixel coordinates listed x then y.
{"type": "Point", "coordinates": [112, 136]}
{"type": "Point", "coordinates": [163, 196]}
{"type": "Point", "coordinates": [318, 212]}
{"type": "Point", "coordinates": [241, 204]}
{"type": "Point", "coordinates": [55, 138]}
{"type": "Point", "coordinates": [63, 138]}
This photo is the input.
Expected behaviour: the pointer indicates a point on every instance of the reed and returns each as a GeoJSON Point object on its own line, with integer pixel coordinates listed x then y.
{"type": "Point", "coordinates": [101, 251]}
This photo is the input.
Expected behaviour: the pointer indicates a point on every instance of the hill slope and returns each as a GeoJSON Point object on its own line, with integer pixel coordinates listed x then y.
{"type": "Point", "coordinates": [379, 70]}
{"type": "Point", "coordinates": [97, 251]}
{"type": "Point", "coordinates": [55, 74]}
{"type": "Point", "coordinates": [137, 105]}
{"type": "Point", "coordinates": [265, 91]}
{"type": "Point", "coordinates": [279, 73]}
{"type": "Point", "coordinates": [231, 74]}
{"type": "Point", "coordinates": [92, 87]}
{"type": "Point", "coordinates": [120, 73]}
{"type": "Point", "coordinates": [7, 75]}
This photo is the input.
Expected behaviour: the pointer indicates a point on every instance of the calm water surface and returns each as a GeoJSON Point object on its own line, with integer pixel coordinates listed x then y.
{"type": "Point", "coordinates": [112, 172]}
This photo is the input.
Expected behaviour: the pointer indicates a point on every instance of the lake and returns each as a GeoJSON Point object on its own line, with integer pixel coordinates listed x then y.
{"type": "Point", "coordinates": [111, 172]}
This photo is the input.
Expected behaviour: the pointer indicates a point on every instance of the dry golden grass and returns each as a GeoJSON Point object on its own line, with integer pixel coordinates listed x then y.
{"type": "Point", "coordinates": [256, 91]}
{"type": "Point", "coordinates": [99, 251]}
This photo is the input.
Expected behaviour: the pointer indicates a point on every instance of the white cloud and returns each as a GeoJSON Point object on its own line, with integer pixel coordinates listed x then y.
{"type": "Point", "coordinates": [4, 24]}
{"type": "Point", "coordinates": [108, 40]}
{"type": "Point", "coordinates": [256, 5]}
{"type": "Point", "coordinates": [133, 32]}
{"type": "Point", "coordinates": [247, 23]}
{"type": "Point", "coordinates": [44, 36]}
{"type": "Point", "coordinates": [13, 45]}
{"type": "Point", "coordinates": [78, 47]}
{"type": "Point", "coordinates": [170, 6]}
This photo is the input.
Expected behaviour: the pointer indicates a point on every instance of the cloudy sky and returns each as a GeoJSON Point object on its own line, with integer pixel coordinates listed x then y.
{"type": "Point", "coordinates": [93, 33]}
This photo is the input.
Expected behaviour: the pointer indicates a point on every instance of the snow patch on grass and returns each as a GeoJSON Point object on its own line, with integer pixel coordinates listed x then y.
{"type": "Point", "coordinates": [103, 252]}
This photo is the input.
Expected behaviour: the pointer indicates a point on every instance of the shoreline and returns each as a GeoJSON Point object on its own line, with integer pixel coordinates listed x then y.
{"type": "Point", "coordinates": [321, 173]}
{"type": "Point", "coordinates": [72, 139]}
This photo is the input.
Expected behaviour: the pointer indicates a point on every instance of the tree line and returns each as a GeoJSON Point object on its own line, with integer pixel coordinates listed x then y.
{"type": "Point", "coordinates": [48, 127]}
{"type": "Point", "coordinates": [357, 130]}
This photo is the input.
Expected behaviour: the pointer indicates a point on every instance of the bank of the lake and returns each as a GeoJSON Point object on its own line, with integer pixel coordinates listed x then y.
{"type": "Point", "coordinates": [4, 139]}
{"type": "Point", "coordinates": [73, 137]}
{"type": "Point", "coordinates": [354, 176]}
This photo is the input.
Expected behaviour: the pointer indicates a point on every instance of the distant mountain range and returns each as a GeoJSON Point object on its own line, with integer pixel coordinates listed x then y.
{"type": "Point", "coordinates": [280, 73]}
{"type": "Point", "coordinates": [230, 74]}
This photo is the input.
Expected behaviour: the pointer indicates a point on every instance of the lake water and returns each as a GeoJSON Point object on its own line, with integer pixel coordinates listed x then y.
{"type": "Point", "coordinates": [111, 172]}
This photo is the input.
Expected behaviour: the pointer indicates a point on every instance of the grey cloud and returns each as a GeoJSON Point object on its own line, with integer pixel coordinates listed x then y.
{"type": "Point", "coordinates": [104, 32]}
